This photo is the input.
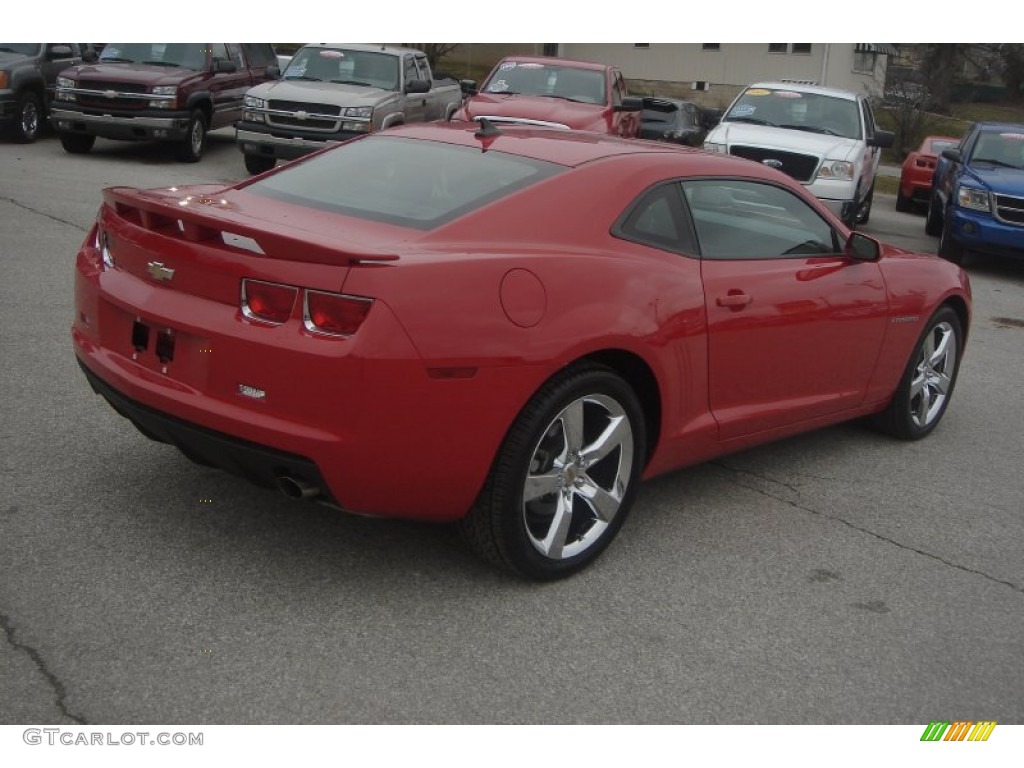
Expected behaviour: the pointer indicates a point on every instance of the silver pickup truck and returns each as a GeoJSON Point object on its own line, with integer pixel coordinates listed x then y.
{"type": "Point", "coordinates": [333, 92]}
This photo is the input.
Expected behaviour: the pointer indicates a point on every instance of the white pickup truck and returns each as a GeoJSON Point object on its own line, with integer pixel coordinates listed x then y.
{"type": "Point", "coordinates": [825, 138]}
{"type": "Point", "coordinates": [332, 92]}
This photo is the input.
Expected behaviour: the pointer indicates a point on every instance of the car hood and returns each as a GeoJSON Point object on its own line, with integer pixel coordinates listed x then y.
{"type": "Point", "coordinates": [146, 74]}
{"type": "Point", "coordinates": [785, 139]}
{"type": "Point", "coordinates": [1003, 181]}
{"type": "Point", "coordinates": [8, 59]}
{"type": "Point", "coordinates": [539, 108]}
{"type": "Point", "coordinates": [321, 93]}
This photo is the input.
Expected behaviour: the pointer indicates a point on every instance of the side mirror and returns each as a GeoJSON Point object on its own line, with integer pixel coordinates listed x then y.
{"type": "Point", "coordinates": [224, 65]}
{"type": "Point", "coordinates": [882, 139]}
{"type": "Point", "coordinates": [273, 72]}
{"type": "Point", "coordinates": [953, 154]}
{"type": "Point", "coordinates": [862, 248]}
{"type": "Point", "coordinates": [59, 52]}
{"type": "Point", "coordinates": [468, 87]}
{"type": "Point", "coordinates": [417, 86]}
{"type": "Point", "coordinates": [630, 104]}
{"type": "Point", "coordinates": [89, 55]}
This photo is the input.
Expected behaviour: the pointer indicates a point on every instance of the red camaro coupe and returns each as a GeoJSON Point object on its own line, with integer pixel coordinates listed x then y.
{"type": "Point", "coordinates": [918, 169]}
{"type": "Point", "coordinates": [509, 328]}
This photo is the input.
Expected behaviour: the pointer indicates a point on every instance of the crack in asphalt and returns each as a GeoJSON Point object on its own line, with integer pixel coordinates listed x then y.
{"type": "Point", "coordinates": [32, 653]}
{"type": "Point", "coordinates": [848, 524]}
{"type": "Point", "coordinates": [29, 208]}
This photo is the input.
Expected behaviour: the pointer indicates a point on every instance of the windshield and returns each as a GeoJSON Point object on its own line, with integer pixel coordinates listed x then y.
{"type": "Point", "coordinates": [185, 55]}
{"type": "Point", "coordinates": [408, 182]}
{"type": "Point", "coordinates": [799, 111]}
{"type": "Point", "coordinates": [557, 81]}
{"type": "Point", "coordinates": [25, 49]}
{"type": "Point", "coordinates": [340, 65]}
{"type": "Point", "coordinates": [1005, 149]}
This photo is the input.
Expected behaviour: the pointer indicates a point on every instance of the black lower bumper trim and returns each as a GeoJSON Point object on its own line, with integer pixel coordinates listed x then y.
{"type": "Point", "coordinates": [257, 463]}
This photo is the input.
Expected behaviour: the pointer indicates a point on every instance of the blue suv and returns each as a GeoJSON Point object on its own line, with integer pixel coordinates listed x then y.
{"type": "Point", "coordinates": [977, 197]}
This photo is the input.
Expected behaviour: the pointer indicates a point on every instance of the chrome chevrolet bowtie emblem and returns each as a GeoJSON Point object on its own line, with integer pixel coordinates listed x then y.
{"type": "Point", "coordinates": [771, 162]}
{"type": "Point", "coordinates": [301, 115]}
{"type": "Point", "coordinates": [158, 271]}
{"type": "Point", "coordinates": [110, 94]}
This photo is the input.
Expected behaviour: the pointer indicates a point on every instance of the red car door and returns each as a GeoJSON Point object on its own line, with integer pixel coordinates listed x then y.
{"type": "Point", "coordinates": [794, 326]}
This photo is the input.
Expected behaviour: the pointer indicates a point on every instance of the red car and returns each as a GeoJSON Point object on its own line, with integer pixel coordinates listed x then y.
{"type": "Point", "coordinates": [918, 169]}
{"type": "Point", "coordinates": [507, 328]}
{"type": "Point", "coordinates": [556, 93]}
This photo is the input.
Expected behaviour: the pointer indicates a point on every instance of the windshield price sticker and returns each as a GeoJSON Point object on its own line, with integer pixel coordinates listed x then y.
{"type": "Point", "coordinates": [497, 86]}
{"type": "Point", "coordinates": [757, 92]}
{"type": "Point", "coordinates": [329, 54]}
{"type": "Point", "coordinates": [789, 95]}
{"type": "Point", "coordinates": [743, 110]}
{"type": "Point", "coordinates": [1012, 136]}
{"type": "Point", "coordinates": [507, 65]}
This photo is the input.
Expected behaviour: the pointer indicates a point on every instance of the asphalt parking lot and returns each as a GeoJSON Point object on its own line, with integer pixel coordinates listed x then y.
{"type": "Point", "coordinates": [836, 577]}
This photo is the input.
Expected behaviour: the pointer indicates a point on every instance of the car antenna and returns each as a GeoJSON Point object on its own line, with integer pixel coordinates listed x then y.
{"type": "Point", "coordinates": [487, 130]}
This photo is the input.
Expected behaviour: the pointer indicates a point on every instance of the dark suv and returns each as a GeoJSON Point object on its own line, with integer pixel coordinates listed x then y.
{"type": "Point", "coordinates": [28, 73]}
{"type": "Point", "coordinates": [172, 92]}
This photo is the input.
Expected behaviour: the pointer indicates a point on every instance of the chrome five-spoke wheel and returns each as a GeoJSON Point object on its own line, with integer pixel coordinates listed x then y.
{"type": "Point", "coordinates": [933, 377]}
{"type": "Point", "coordinates": [579, 473]}
{"type": "Point", "coordinates": [565, 476]}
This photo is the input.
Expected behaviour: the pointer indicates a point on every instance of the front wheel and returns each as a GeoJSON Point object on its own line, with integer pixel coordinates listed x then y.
{"type": "Point", "coordinates": [565, 476]}
{"type": "Point", "coordinates": [28, 118]}
{"type": "Point", "coordinates": [933, 221]}
{"type": "Point", "coordinates": [950, 249]}
{"type": "Point", "coordinates": [191, 149]}
{"type": "Point", "coordinates": [864, 210]}
{"type": "Point", "coordinates": [255, 164]}
{"type": "Point", "coordinates": [77, 143]}
{"type": "Point", "coordinates": [927, 385]}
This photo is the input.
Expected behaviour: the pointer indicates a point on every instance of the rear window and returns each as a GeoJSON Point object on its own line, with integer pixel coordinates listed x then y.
{"type": "Point", "coordinates": [408, 182]}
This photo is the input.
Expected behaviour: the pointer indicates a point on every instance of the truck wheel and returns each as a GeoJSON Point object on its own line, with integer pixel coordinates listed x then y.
{"type": "Point", "coordinates": [29, 115]}
{"type": "Point", "coordinates": [77, 143]}
{"type": "Point", "coordinates": [864, 211]}
{"type": "Point", "coordinates": [933, 222]}
{"type": "Point", "coordinates": [950, 249]}
{"type": "Point", "coordinates": [259, 163]}
{"type": "Point", "coordinates": [191, 149]}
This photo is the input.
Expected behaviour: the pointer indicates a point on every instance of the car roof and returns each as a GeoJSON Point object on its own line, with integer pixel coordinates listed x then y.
{"type": "Point", "coordinates": [803, 88]}
{"type": "Point", "coordinates": [550, 60]}
{"type": "Point", "coordinates": [575, 148]}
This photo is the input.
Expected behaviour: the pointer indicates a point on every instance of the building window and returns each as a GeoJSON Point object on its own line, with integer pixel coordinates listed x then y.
{"type": "Point", "coordinates": [864, 62]}
{"type": "Point", "coordinates": [777, 47]}
{"type": "Point", "coordinates": [801, 47]}
{"type": "Point", "coordinates": [700, 85]}
{"type": "Point", "coordinates": [549, 49]}
{"type": "Point", "coordinates": [641, 45]}
{"type": "Point", "coordinates": [711, 46]}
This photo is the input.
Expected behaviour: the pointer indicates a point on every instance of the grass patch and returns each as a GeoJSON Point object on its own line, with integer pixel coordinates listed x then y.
{"type": "Point", "coordinates": [888, 185]}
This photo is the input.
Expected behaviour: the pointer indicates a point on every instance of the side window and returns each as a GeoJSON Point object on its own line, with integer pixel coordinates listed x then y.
{"type": "Point", "coordinates": [618, 89]}
{"type": "Point", "coordinates": [424, 68]}
{"type": "Point", "coordinates": [656, 219]}
{"type": "Point", "coordinates": [411, 73]}
{"type": "Point", "coordinates": [235, 54]}
{"type": "Point", "coordinates": [869, 118]}
{"type": "Point", "coordinates": [754, 220]}
{"type": "Point", "coordinates": [259, 54]}
{"type": "Point", "coordinates": [218, 51]}
{"type": "Point", "coordinates": [967, 144]}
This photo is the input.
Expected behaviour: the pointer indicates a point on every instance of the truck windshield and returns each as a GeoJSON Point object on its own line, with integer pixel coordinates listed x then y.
{"type": "Point", "coordinates": [185, 55]}
{"type": "Point", "coordinates": [340, 65]}
{"type": "Point", "coordinates": [407, 182]}
{"type": "Point", "coordinates": [25, 49]}
{"type": "Point", "coordinates": [797, 111]}
{"type": "Point", "coordinates": [555, 80]}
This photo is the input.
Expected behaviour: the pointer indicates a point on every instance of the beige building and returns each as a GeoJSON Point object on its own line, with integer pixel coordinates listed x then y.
{"type": "Point", "coordinates": [713, 73]}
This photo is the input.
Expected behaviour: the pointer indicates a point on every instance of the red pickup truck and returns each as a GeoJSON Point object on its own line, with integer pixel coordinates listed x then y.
{"type": "Point", "coordinates": [556, 93]}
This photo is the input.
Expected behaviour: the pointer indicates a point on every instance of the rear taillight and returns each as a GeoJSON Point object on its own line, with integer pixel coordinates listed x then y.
{"type": "Point", "coordinates": [334, 314]}
{"type": "Point", "coordinates": [268, 302]}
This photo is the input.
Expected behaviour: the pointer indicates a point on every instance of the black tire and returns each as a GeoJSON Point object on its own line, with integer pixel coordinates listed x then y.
{"type": "Point", "coordinates": [28, 118]}
{"type": "Point", "coordinates": [191, 149]}
{"type": "Point", "coordinates": [864, 211]}
{"type": "Point", "coordinates": [950, 249]}
{"type": "Point", "coordinates": [903, 204]}
{"type": "Point", "coordinates": [512, 531]}
{"type": "Point", "coordinates": [256, 164]}
{"type": "Point", "coordinates": [933, 221]}
{"type": "Point", "coordinates": [77, 143]}
{"type": "Point", "coordinates": [908, 415]}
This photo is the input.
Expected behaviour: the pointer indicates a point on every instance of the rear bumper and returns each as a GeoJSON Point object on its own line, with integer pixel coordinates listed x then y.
{"type": "Point", "coordinates": [120, 126]}
{"type": "Point", "coordinates": [259, 464]}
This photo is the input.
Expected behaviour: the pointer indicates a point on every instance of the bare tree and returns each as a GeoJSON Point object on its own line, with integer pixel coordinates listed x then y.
{"type": "Point", "coordinates": [435, 51]}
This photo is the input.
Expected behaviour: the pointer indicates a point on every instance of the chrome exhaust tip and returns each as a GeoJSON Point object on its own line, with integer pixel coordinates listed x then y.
{"type": "Point", "coordinates": [295, 488]}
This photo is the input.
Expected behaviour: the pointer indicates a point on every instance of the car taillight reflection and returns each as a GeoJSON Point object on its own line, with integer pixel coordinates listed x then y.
{"type": "Point", "coordinates": [268, 302]}
{"type": "Point", "coordinates": [334, 314]}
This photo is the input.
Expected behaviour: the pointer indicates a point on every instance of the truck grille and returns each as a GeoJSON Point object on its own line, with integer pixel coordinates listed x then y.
{"type": "Point", "coordinates": [310, 123]}
{"type": "Point", "coordinates": [800, 167]}
{"type": "Point", "coordinates": [1010, 210]}
{"type": "Point", "coordinates": [99, 101]}
{"type": "Point", "coordinates": [293, 122]}
{"type": "Point", "coordinates": [295, 106]}
{"type": "Point", "coordinates": [99, 85]}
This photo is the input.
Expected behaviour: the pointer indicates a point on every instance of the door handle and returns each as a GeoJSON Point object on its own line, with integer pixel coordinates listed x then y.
{"type": "Point", "coordinates": [734, 300]}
